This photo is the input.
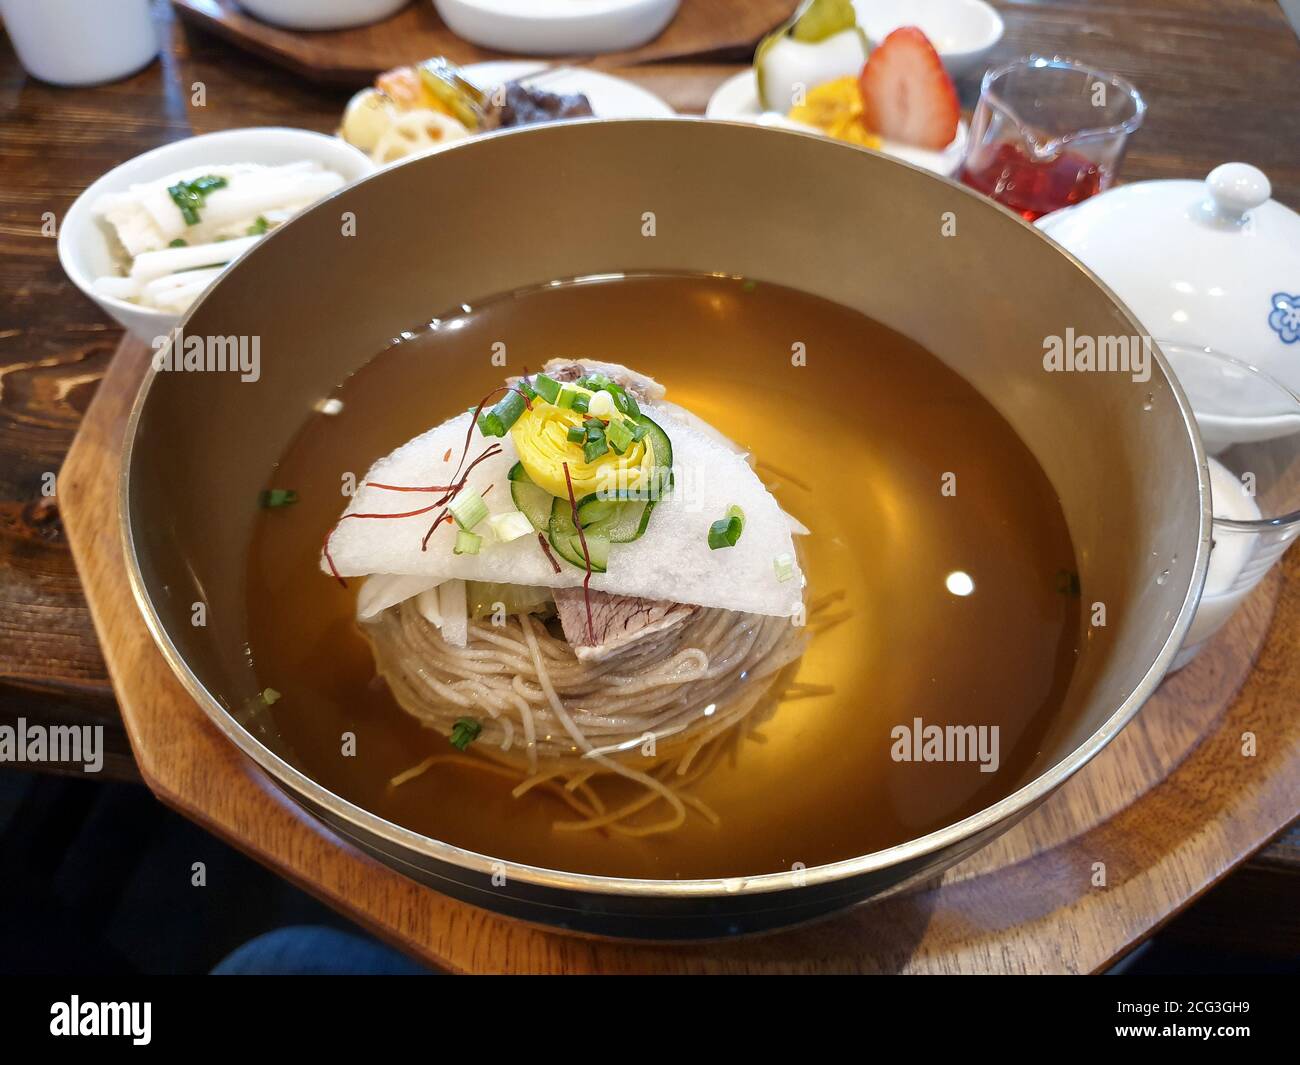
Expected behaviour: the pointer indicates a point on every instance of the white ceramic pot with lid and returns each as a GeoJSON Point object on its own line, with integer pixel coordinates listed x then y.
{"type": "Point", "coordinates": [1211, 263]}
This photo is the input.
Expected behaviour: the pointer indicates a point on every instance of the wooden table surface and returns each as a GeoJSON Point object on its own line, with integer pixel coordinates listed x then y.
{"type": "Point", "coordinates": [1220, 78]}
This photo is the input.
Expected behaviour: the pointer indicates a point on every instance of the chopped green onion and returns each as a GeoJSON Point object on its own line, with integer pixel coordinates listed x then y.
{"type": "Point", "coordinates": [278, 497]}
{"type": "Point", "coordinates": [259, 227]}
{"type": "Point", "coordinates": [467, 543]}
{"type": "Point", "coordinates": [189, 196]}
{"type": "Point", "coordinates": [599, 382]}
{"type": "Point", "coordinates": [784, 566]}
{"type": "Point", "coordinates": [568, 398]}
{"type": "Point", "coordinates": [468, 510]}
{"type": "Point", "coordinates": [546, 387]}
{"type": "Point", "coordinates": [596, 444]}
{"type": "Point", "coordinates": [726, 531]}
{"type": "Point", "coordinates": [577, 434]}
{"type": "Point", "coordinates": [510, 526]}
{"type": "Point", "coordinates": [179, 242]}
{"type": "Point", "coordinates": [464, 732]}
{"type": "Point", "coordinates": [619, 435]}
{"type": "Point", "coordinates": [270, 696]}
{"type": "Point", "coordinates": [497, 419]}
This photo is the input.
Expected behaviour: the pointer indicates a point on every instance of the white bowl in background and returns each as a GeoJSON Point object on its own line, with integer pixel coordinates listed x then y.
{"type": "Point", "coordinates": [86, 242]}
{"type": "Point", "coordinates": [557, 27]}
{"type": "Point", "coordinates": [963, 32]}
{"type": "Point", "coordinates": [322, 14]}
{"type": "Point", "coordinates": [737, 98]}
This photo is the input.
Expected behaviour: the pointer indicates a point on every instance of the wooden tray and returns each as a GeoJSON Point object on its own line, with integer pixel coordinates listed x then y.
{"type": "Point", "coordinates": [712, 28]}
{"type": "Point", "coordinates": [1169, 807]}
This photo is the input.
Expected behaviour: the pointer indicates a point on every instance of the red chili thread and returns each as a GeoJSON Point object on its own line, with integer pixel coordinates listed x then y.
{"type": "Point", "coordinates": [450, 491]}
{"type": "Point", "coordinates": [411, 488]}
{"type": "Point", "coordinates": [586, 556]}
{"type": "Point", "coordinates": [546, 550]}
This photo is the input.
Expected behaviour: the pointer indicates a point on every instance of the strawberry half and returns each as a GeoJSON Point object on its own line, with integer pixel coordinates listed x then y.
{"type": "Point", "coordinates": [907, 96]}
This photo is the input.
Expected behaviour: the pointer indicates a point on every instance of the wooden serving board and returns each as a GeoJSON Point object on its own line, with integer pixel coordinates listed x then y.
{"type": "Point", "coordinates": [1169, 807]}
{"type": "Point", "coordinates": [713, 28]}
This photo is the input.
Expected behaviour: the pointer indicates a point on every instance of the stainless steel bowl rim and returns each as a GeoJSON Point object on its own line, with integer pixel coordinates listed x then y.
{"type": "Point", "coordinates": [715, 887]}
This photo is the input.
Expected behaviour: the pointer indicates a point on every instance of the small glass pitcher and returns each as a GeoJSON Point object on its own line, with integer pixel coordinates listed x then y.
{"type": "Point", "coordinates": [1048, 133]}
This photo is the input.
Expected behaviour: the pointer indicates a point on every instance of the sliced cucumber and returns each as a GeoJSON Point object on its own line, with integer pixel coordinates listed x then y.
{"type": "Point", "coordinates": [592, 509]}
{"type": "Point", "coordinates": [532, 499]}
{"type": "Point", "coordinates": [663, 450]}
{"type": "Point", "coordinates": [619, 521]}
{"type": "Point", "coordinates": [568, 544]}
{"type": "Point", "coordinates": [645, 519]}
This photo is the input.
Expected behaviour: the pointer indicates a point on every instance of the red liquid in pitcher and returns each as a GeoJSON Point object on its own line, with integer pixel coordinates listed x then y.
{"type": "Point", "coordinates": [1032, 188]}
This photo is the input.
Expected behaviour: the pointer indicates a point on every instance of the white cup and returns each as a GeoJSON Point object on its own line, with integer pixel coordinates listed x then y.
{"type": "Point", "coordinates": [1250, 423]}
{"type": "Point", "coordinates": [81, 42]}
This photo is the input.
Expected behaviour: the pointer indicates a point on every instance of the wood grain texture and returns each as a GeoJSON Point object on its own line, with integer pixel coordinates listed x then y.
{"type": "Point", "coordinates": [352, 57]}
{"type": "Point", "coordinates": [1219, 76]}
{"type": "Point", "coordinates": [1167, 809]}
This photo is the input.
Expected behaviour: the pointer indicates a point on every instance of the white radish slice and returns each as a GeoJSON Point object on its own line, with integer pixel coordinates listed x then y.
{"type": "Point", "coordinates": [454, 610]}
{"type": "Point", "coordinates": [176, 292]}
{"type": "Point", "coordinates": [384, 590]}
{"type": "Point", "coordinates": [672, 560]}
{"type": "Point", "coordinates": [154, 264]}
{"type": "Point", "coordinates": [118, 288]}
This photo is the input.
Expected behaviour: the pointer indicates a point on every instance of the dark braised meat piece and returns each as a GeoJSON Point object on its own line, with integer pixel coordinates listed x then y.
{"type": "Point", "coordinates": [525, 106]}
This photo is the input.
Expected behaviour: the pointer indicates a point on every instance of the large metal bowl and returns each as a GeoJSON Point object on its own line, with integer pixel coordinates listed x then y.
{"type": "Point", "coordinates": [511, 210]}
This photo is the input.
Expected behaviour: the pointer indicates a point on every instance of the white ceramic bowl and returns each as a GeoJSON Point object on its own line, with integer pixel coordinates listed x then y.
{"type": "Point", "coordinates": [737, 98]}
{"type": "Point", "coordinates": [322, 14]}
{"type": "Point", "coordinates": [86, 242]}
{"type": "Point", "coordinates": [963, 32]}
{"type": "Point", "coordinates": [557, 27]}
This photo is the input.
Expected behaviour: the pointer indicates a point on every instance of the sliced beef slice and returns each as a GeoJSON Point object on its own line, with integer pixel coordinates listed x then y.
{"type": "Point", "coordinates": [617, 621]}
{"type": "Point", "coordinates": [638, 384]}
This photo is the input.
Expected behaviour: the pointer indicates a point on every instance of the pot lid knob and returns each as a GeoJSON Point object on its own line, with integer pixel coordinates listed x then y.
{"type": "Point", "coordinates": [1236, 188]}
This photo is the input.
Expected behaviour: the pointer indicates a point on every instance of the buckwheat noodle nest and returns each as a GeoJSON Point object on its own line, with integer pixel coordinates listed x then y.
{"type": "Point", "coordinates": [567, 726]}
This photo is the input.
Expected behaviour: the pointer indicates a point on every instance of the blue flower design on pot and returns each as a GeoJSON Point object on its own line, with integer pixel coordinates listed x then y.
{"type": "Point", "coordinates": [1285, 317]}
